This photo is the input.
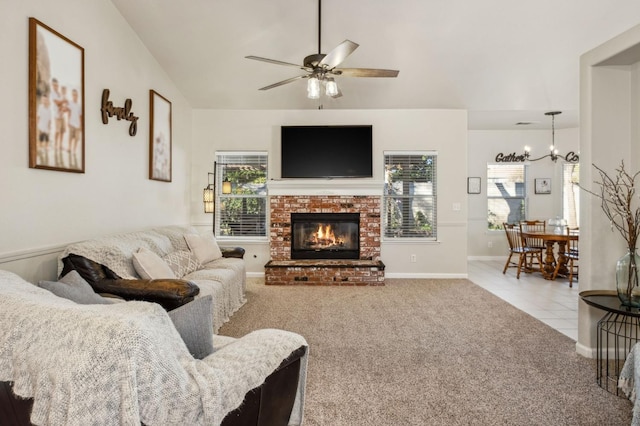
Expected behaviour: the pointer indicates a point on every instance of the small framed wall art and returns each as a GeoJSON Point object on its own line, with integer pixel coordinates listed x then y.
{"type": "Point", "coordinates": [543, 186]}
{"type": "Point", "coordinates": [473, 185]}
{"type": "Point", "coordinates": [159, 137]}
{"type": "Point", "coordinates": [56, 100]}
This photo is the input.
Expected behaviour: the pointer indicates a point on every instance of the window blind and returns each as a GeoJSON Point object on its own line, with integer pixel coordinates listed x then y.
{"type": "Point", "coordinates": [242, 212]}
{"type": "Point", "coordinates": [410, 194]}
{"type": "Point", "coordinates": [506, 194]}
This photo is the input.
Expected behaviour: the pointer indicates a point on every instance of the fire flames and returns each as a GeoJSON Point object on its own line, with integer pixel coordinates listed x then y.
{"type": "Point", "coordinates": [325, 236]}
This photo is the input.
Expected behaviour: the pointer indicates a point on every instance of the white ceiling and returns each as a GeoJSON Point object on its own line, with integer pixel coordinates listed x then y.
{"type": "Point", "coordinates": [506, 61]}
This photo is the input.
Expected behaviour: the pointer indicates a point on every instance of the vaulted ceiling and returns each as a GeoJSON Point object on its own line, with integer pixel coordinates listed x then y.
{"type": "Point", "coordinates": [506, 61]}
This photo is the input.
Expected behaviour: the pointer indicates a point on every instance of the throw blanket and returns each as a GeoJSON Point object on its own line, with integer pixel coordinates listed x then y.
{"type": "Point", "coordinates": [116, 251]}
{"type": "Point", "coordinates": [627, 381]}
{"type": "Point", "coordinates": [124, 363]}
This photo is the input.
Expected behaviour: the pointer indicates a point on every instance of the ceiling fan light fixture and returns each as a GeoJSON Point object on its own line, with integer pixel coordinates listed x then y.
{"type": "Point", "coordinates": [331, 88]}
{"type": "Point", "coordinates": [318, 66]}
{"type": "Point", "coordinates": [313, 88]}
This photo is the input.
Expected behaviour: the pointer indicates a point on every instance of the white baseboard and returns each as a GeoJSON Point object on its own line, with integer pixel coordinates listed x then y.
{"type": "Point", "coordinates": [487, 258]}
{"type": "Point", "coordinates": [394, 275]}
{"type": "Point", "coordinates": [585, 351]}
{"type": "Point", "coordinates": [409, 275]}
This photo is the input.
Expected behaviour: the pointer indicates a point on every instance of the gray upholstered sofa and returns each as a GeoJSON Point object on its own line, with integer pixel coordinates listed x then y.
{"type": "Point", "coordinates": [187, 265]}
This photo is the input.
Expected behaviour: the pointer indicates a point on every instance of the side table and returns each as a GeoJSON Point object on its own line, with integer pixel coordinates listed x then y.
{"type": "Point", "coordinates": [618, 330]}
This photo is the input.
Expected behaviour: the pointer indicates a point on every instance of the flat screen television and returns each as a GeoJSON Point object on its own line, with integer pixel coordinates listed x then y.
{"type": "Point", "coordinates": [326, 152]}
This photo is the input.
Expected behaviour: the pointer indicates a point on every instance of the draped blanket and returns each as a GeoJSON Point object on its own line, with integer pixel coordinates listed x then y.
{"type": "Point", "coordinates": [224, 279]}
{"type": "Point", "coordinates": [628, 381]}
{"type": "Point", "coordinates": [125, 363]}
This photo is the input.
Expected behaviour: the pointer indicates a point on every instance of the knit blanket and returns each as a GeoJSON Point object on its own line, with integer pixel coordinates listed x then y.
{"type": "Point", "coordinates": [224, 279]}
{"type": "Point", "coordinates": [627, 381]}
{"type": "Point", "coordinates": [125, 363]}
{"type": "Point", "coordinates": [116, 251]}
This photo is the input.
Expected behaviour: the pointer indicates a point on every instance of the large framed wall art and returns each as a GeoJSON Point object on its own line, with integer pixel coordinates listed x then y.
{"type": "Point", "coordinates": [159, 137]}
{"type": "Point", "coordinates": [56, 100]}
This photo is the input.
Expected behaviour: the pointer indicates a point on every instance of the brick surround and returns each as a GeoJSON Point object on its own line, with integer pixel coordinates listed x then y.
{"type": "Point", "coordinates": [282, 270]}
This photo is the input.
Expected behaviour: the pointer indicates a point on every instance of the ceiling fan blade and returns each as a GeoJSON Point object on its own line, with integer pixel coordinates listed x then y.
{"type": "Point", "coordinates": [365, 72]}
{"type": "Point", "coordinates": [283, 82]}
{"type": "Point", "coordinates": [273, 61]}
{"type": "Point", "coordinates": [338, 54]}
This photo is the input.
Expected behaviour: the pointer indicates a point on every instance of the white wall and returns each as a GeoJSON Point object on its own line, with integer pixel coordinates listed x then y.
{"type": "Point", "coordinates": [609, 105]}
{"type": "Point", "coordinates": [484, 145]}
{"type": "Point", "coordinates": [441, 130]}
{"type": "Point", "coordinates": [44, 210]}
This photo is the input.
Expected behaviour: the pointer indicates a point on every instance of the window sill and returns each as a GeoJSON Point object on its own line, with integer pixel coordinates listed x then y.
{"type": "Point", "coordinates": [238, 240]}
{"type": "Point", "coordinates": [409, 241]}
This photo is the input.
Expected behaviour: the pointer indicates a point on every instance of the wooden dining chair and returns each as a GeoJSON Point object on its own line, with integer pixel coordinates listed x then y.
{"type": "Point", "coordinates": [534, 226]}
{"type": "Point", "coordinates": [517, 247]}
{"type": "Point", "coordinates": [572, 255]}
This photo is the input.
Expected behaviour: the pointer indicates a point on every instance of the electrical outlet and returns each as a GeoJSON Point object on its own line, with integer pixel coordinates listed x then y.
{"type": "Point", "coordinates": [413, 258]}
{"type": "Point", "coordinates": [490, 244]}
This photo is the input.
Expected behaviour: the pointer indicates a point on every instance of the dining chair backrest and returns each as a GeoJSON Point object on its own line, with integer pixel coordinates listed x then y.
{"type": "Point", "coordinates": [572, 242]}
{"type": "Point", "coordinates": [513, 236]}
{"type": "Point", "coordinates": [532, 226]}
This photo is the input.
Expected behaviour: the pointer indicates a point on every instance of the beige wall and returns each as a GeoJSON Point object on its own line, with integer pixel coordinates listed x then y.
{"type": "Point", "coordinates": [483, 147]}
{"type": "Point", "coordinates": [442, 130]}
{"type": "Point", "coordinates": [609, 105]}
{"type": "Point", "coordinates": [43, 210]}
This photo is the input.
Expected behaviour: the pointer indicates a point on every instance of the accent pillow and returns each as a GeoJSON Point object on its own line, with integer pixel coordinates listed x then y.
{"type": "Point", "coordinates": [182, 262]}
{"type": "Point", "coordinates": [150, 266]}
{"type": "Point", "coordinates": [73, 287]}
{"type": "Point", "coordinates": [204, 246]}
{"type": "Point", "coordinates": [193, 322]}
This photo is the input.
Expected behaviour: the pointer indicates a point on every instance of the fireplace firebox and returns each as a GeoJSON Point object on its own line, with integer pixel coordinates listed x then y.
{"type": "Point", "coordinates": [325, 235]}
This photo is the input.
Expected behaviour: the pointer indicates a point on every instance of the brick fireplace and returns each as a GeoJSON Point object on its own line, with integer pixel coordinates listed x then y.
{"type": "Point", "coordinates": [365, 269]}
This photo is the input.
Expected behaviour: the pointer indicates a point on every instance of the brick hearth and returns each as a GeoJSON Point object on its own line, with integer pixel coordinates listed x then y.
{"type": "Point", "coordinates": [368, 270]}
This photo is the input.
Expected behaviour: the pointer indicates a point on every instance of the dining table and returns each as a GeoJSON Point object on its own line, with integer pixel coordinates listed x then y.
{"type": "Point", "coordinates": [549, 259]}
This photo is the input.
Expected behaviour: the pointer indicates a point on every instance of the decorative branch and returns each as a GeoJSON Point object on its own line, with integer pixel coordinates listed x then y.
{"type": "Point", "coordinates": [619, 204]}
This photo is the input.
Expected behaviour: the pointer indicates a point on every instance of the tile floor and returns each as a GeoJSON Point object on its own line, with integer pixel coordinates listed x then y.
{"type": "Point", "coordinates": [552, 302]}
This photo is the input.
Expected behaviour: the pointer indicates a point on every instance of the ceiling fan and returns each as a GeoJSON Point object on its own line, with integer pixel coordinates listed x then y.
{"type": "Point", "coordinates": [321, 68]}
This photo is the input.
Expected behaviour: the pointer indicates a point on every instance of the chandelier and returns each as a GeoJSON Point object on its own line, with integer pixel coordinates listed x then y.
{"type": "Point", "coordinates": [553, 154]}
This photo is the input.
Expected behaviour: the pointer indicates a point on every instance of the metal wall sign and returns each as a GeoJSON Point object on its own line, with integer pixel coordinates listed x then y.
{"type": "Point", "coordinates": [571, 157]}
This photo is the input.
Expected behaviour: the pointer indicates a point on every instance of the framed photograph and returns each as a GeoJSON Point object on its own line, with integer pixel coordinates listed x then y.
{"type": "Point", "coordinates": [543, 186]}
{"type": "Point", "coordinates": [56, 100]}
{"type": "Point", "coordinates": [159, 137]}
{"type": "Point", "coordinates": [473, 185]}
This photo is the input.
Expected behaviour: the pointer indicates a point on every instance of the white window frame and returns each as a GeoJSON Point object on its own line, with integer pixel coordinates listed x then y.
{"type": "Point", "coordinates": [523, 197]}
{"type": "Point", "coordinates": [571, 195]}
{"type": "Point", "coordinates": [430, 226]}
{"type": "Point", "coordinates": [224, 160]}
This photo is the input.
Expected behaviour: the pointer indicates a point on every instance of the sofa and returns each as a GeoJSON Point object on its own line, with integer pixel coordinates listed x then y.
{"type": "Point", "coordinates": [69, 356]}
{"type": "Point", "coordinates": [169, 265]}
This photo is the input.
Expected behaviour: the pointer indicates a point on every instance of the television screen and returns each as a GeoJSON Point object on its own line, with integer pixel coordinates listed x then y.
{"type": "Point", "coordinates": [326, 152]}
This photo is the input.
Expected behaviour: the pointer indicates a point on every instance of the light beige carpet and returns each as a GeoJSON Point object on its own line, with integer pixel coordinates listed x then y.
{"type": "Point", "coordinates": [430, 352]}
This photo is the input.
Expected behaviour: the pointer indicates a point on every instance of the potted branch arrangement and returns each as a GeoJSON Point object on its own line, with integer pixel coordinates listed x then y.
{"type": "Point", "coordinates": [622, 207]}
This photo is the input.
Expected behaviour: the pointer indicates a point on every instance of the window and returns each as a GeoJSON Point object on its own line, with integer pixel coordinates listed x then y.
{"type": "Point", "coordinates": [506, 194]}
{"type": "Point", "coordinates": [571, 194]}
{"type": "Point", "coordinates": [410, 194]}
{"type": "Point", "coordinates": [242, 212]}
